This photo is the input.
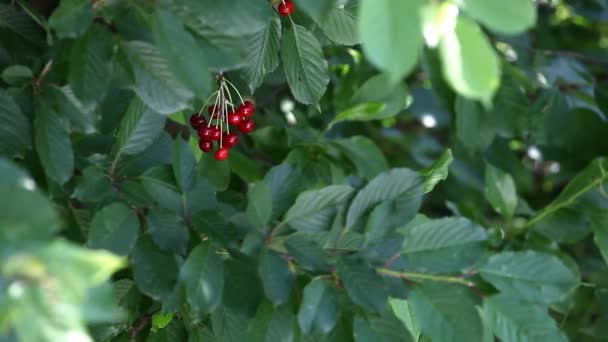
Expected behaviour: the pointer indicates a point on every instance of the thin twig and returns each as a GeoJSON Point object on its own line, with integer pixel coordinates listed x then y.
{"type": "Point", "coordinates": [43, 73]}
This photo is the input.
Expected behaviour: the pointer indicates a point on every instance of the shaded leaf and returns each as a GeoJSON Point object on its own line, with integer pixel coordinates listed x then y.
{"type": "Point", "coordinates": [276, 276]}
{"type": "Point", "coordinates": [203, 278]}
{"type": "Point", "coordinates": [115, 228]}
{"type": "Point", "coordinates": [139, 128]}
{"type": "Point", "coordinates": [319, 308]}
{"type": "Point", "coordinates": [53, 145]}
{"type": "Point", "coordinates": [155, 272]}
{"type": "Point", "coordinates": [263, 52]}
{"type": "Point", "coordinates": [363, 285]}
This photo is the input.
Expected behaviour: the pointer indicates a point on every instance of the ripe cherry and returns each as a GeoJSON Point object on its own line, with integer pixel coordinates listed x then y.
{"type": "Point", "coordinates": [234, 119]}
{"type": "Point", "coordinates": [197, 121]}
{"type": "Point", "coordinates": [215, 134]}
{"type": "Point", "coordinates": [285, 8]}
{"type": "Point", "coordinates": [205, 133]}
{"type": "Point", "coordinates": [230, 139]}
{"type": "Point", "coordinates": [221, 153]}
{"type": "Point", "coordinates": [246, 126]}
{"type": "Point", "coordinates": [246, 109]}
{"type": "Point", "coordinates": [205, 145]}
{"type": "Point", "coordinates": [213, 110]}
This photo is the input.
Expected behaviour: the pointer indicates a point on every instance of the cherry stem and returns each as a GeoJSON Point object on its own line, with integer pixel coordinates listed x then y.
{"type": "Point", "coordinates": [207, 101]}
{"type": "Point", "coordinates": [236, 90]}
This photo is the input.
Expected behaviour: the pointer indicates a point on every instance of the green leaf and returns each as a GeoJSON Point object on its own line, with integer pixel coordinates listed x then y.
{"type": "Point", "coordinates": [312, 202]}
{"type": "Point", "coordinates": [304, 65]}
{"type": "Point", "coordinates": [276, 276]}
{"type": "Point", "coordinates": [510, 17]}
{"type": "Point", "coordinates": [72, 18]}
{"type": "Point", "coordinates": [362, 112]}
{"type": "Point", "coordinates": [184, 165]}
{"type": "Point", "coordinates": [263, 52]}
{"type": "Point", "coordinates": [155, 272]}
{"type": "Point", "coordinates": [319, 308]}
{"type": "Point", "coordinates": [232, 18]}
{"type": "Point", "coordinates": [228, 325]}
{"type": "Point", "coordinates": [403, 311]}
{"type": "Point", "coordinates": [591, 177]}
{"type": "Point", "coordinates": [168, 231]}
{"type": "Point", "coordinates": [443, 245]}
{"type": "Point", "coordinates": [340, 26]}
{"type": "Point", "coordinates": [364, 154]}
{"type": "Point", "coordinates": [379, 89]}
{"type": "Point", "coordinates": [177, 45]}
{"type": "Point", "coordinates": [363, 285]}
{"type": "Point", "coordinates": [307, 252]}
{"type": "Point", "coordinates": [380, 328]}
{"type": "Point", "coordinates": [272, 324]}
{"type": "Point", "coordinates": [53, 145]}
{"type": "Point", "coordinates": [316, 9]}
{"type": "Point", "coordinates": [115, 228]}
{"type": "Point", "coordinates": [259, 205]}
{"type": "Point", "coordinates": [203, 277]}
{"type": "Point", "coordinates": [533, 276]}
{"type": "Point", "coordinates": [17, 74]}
{"type": "Point", "coordinates": [473, 127]}
{"type": "Point", "coordinates": [501, 191]}
{"type": "Point", "coordinates": [139, 128]}
{"type": "Point", "coordinates": [286, 182]}
{"type": "Point", "coordinates": [90, 70]}
{"type": "Point", "coordinates": [470, 65]}
{"type": "Point", "coordinates": [569, 226]}
{"type": "Point", "coordinates": [389, 185]}
{"type": "Point", "coordinates": [598, 219]}
{"type": "Point", "coordinates": [391, 35]}
{"type": "Point", "coordinates": [446, 312]}
{"type": "Point", "coordinates": [218, 174]}
{"type": "Point", "coordinates": [438, 171]}
{"type": "Point", "coordinates": [20, 23]}
{"type": "Point", "coordinates": [517, 321]}
{"type": "Point", "coordinates": [160, 320]}
{"type": "Point", "coordinates": [15, 131]}
{"type": "Point", "coordinates": [155, 83]}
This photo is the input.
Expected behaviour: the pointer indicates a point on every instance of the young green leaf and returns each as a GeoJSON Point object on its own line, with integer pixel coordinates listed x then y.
{"type": "Point", "coordinates": [438, 171]}
{"type": "Point", "coordinates": [304, 65]}
{"type": "Point", "coordinates": [391, 35]}
{"type": "Point", "coordinates": [507, 17]}
{"type": "Point", "coordinates": [501, 191]}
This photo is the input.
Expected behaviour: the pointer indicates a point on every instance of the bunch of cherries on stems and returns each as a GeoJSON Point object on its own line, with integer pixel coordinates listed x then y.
{"type": "Point", "coordinates": [222, 114]}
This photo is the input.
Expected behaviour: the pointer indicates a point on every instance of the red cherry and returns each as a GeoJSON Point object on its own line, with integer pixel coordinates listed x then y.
{"type": "Point", "coordinates": [197, 121]}
{"type": "Point", "coordinates": [215, 134]}
{"type": "Point", "coordinates": [246, 109]}
{"type": "Point", "coordinates": [205, 145]}
{"type": "Point", "coordinates": [213, 110]}
{"type": "Point", "coordinates": [234, 119]}
{"type": "Point", "coordinates": [205, 132]}
{"type": "Point", "coordinates": [285, 8]}
{"type": "Point", "coordinates": [247, 126]}
{"type": "Point", "coordinates": [221, 153]}
{"type": "Point", "coordinates": [230, 139]}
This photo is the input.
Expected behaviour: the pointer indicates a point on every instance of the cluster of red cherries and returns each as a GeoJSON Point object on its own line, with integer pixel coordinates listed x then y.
{"type": "Point", "coordinates": [285, 8]}
{"type": "Point", "coordinates": [222, 115]}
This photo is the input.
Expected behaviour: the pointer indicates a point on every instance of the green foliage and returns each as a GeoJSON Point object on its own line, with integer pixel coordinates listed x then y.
{"type": "Point", "coordinates": [420, 171]}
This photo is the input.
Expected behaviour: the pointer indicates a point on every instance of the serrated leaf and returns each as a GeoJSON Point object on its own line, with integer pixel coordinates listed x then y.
{"type": "Point", "coordinates": [15, 130]}
{"type": "Point", "coordinates": [263, 52]}
{"type": "Point", "coordinates": [363, 285]}
{"type": "Point", "coordinates": [443, 245]}
{"type": "Point", "coordinates": [529, 275]}
{"type": "Point", "coordinates": [378, 89]}
{"type": "Point", "coordinates": [168, 231]}
{"type": "Point", "coordinates": [154, 272]}
{"type": "Point", "coordinates": [203, 277]}
{"type": "Point", "coordinates": [53, 145]}
{"type": "Point", "coordinates": [517, 321]}
{"type": "Point", "coordinates": [89, 73]}
{"type": "Point", "coordinates": [115, 228]}
{"type": "Point", "coordinates": [286, 182]}
{"type": "Point", "coordinates": [469, 62]}
{"type": "Point", "coordinates": [72, 18]}
{"type": "Point", "coordinates": [316, 9]}
{"type": "Point", "coordinates": [340, 26]}
{"type": "Point", "coordinates": [272, 324]}
{"type": "Point", "coordinates": [390, 185]}
{"type": "Point", "coordinates": [218, 174]}
{"type": "Point", "coordinates": [20, 23]}
{"type": "Point", "coordinates": [138, 129]}
{"type": "Point", "coordinates": [319, 308]}
{"type": "Point", "coordinates": [510, 17]}
{"type": "Point", "coordinates": [184, 165]}
{"type": "Point", "coordinates": [307, 252]}
{"type": "Point", "coordinates": [304, 65]}
{"type": "Point", "coordinates": [438, 171]}
{"type": "Point", "coordinates": [17, 74]}
{"type": "Point", "coordinates": [155, 84]}
{"type": "Point", "coordinates": [380, 328]}
{"type": "Point", "coordinates": [364, 154]}
{"type": "Point", "coordinates": [314, 201]}
{"type": "Point", "coordinates": [446, 312]}
{"type": "Point", "coordinates": [501, 191]}
{"type": "Point", "coordinates": [361, 112]}
{"type": "Point", "coordinates": [259, 205]}
{"type": "Point", "coordinates": [276, 276]}
{"type": "Point", "coordinates": [391, 35]}
{"type": "Point", "coordinates": [177, 45]}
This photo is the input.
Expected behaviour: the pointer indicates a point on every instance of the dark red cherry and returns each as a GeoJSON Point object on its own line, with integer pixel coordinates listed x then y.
{"type": "Point", "coordinates": [234, 119]}
{"type": "Point", "coordinates": [221, 153]}
{"type": "Point", "coordinates": [205, 132]}
{"type": "Point", "coordinates": [215, 134]}
{"type": "Point", "coordinates": [205, 145]}
{"type": "Point", "coordinates": [246, 126]}
{"type": "Point", "coordinates": [285, 8]}
{"type": "Point", "coordinates": [246, 109]}
{"type": "Point", "coordinates": [197, 121]}
{"type": "Point", "coordinates": [230, 139]}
